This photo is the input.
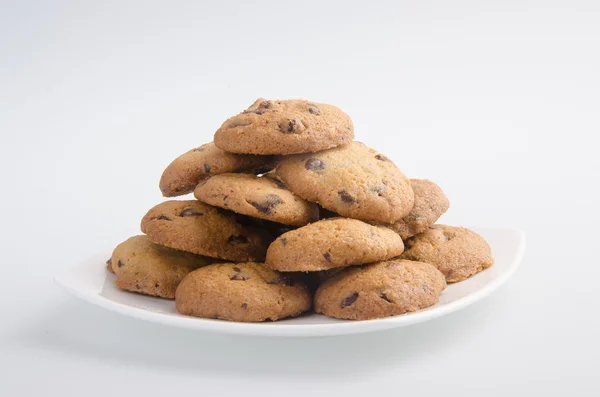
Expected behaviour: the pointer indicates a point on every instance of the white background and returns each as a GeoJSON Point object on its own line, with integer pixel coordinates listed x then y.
{"type": "Point", "coordinates": [497, 101]}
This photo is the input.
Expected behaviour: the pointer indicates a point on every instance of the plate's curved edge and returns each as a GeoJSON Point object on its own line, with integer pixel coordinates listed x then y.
{"type": "Point", "coordinates": [303, 330]}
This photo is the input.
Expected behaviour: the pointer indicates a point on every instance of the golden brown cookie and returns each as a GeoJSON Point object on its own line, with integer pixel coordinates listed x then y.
{"type": "Point", "coordinates": [379, 290]}
{"type": "Point", "coordinates": [285, 127]}
{"type": "Point", "coordinates": [246, 292]}
{"type": "Point", "coordinates": [259, 197]}
{"type": "Point", "coordinates": [430, 204]}
{"type": "Point", "coordinates": [187, 170]}
{"type": "Point", "coordinates": [457, 252]}
{"type": "Point", "coordinates": [192, 226]}
{"type": "Point", "coordinates": [144, 267]}
{"type": "Point", "coordinates": [331, 243]}
{"type": "Point", "coordinates": [351, 180]}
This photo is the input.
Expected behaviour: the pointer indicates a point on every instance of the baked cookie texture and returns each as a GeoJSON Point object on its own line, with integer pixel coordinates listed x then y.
{"type": "Point", "coordinates": [351, 180]}
{"type": "Point", "coordinates": [247, 292]}
{"type": "Point", "coordinates": [379, 290]}
{"type": "Point", "coordinates": [285, 127]}
{"type": "Point", "coordinates": [195, 227]}
{"type": "Point", "coordinates": [430, 204]}
{"type": "Point", "coordinates": [332, 243]}
{"type": "Point", "coordinates": [260, 197]}
{"type": "Point", "coordinates": [150, 269]}
{"type": "Point", "coordinates": [457, 252]}
{"type": "Point", "coordinates": [187, 170]}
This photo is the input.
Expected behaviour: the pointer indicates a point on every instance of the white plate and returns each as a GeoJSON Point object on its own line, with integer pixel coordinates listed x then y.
{"type": "Point", "coordinates": [90, 281]}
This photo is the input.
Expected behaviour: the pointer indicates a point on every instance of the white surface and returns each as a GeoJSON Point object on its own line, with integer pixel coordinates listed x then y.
{"type": "Point", "coordinates": [497, 101]}
{"type": "Point", "coordinates": [91, 282]}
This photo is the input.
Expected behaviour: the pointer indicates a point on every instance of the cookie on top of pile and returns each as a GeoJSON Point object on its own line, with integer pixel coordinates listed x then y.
{"type": "Point", "coordinates": [292, 215]}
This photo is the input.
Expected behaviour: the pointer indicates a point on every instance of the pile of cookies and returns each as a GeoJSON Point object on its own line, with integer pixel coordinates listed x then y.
{"type": "Point", "coordinates": [291, 214]}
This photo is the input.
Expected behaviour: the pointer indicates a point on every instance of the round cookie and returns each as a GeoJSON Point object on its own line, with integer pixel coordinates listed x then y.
{"type": "Point", "coordinates": [332, 243]}
{"type": "Point", "coordinates": [246, 292]}
{"type": "Point", "coordinates": [187, 170]}
{"type": "Point", "coordinates": [352, 180]}
{"type": "Point", "coordinates": [192, 226]}
{"type": "Point", "coordinates": [144, 267]}
{"type": "Point", "coordinates": [259, 197]}
{"type": "Point", "coordinates": [430, 204]}
{"type": "Point", "coordinates": [379, 290]}
{"type": "Point", "coordinates": [457, 252]}
{"type": "Point", "coordinates": [285, 127]}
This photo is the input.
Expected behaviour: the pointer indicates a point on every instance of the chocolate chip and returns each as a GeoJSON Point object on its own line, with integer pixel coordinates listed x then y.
{"type": "Point", "coordinates": [379, 190]}
{"type": "Point", "coordinates": [199, 149]}
{"type": "Point", "coordinates": [120, 264]}
{"type": "Point", "coordinates": [267, 206]}
{"type": "Point", "coordinates": [163, 218]}
{"type": "Point", "coordinates": [239, 277]}
{"type": "Point", "coordinates": [237, 269]}
{"type": "Point", "coordinates": [137, 286]}
{"type": "Point", "coordinates": [327, 256]}
{"type": "Point", "coordinates": [237, 239]}
{"type": "Point", "coordinates": [381, 157]}
{"type": "Point", "coordinates": [283, 279]}
{"type": "Point", "coordinates": [383, 296]}
{"type": "Point", "coordinates": [314, 109]}
{"type": "Point", "coordinates": [266, 105]}
{"type": "Point", "coordinates": [244, 305]}
{"type": "Point", "coordinates": [446, 237]}
{"type": "Point", "coordinates": [350, 299]}
{"type": "Point", "coordinates": [283, 241]}
{"type": "Point", "coordinates": [291, 127]}
{"type": "Point", "coordinates": [315, 165]}
{"type": "Point", "coordinates": [273, 198]}
{"type": "Point", "coordinates": [156, 285]}
{"type": "Point", "coordinates": [190, 212]}
{"type": "Point", "coordinates": [206, 168]}
{"type": "Point", "coordinates": [346, 197]}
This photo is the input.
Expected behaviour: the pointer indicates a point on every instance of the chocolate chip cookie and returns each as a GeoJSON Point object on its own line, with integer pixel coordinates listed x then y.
{"type": "Point", "coordinates": [351, 180]}
{"type": "Point", "coordinates": [457, 252]}
{"type": "Point", "coordinates": [246, 292]}
{"type": "Point", "coordinates": [187, 170]}
{"type": "Point", "coordinates": [259, 197]}
{"type": "Point", "coordinates": [379, 290]}
{"type": "Point", "coordinates": [150, 269]}
{"type": "Point", "coordinates": [285, 127]}
{"type": "Point", "coordinates": [430, 204]}
{"type": "Point", "coordinates": [332, 243]}
{"type": "Point", "coordinates": [192, 226]}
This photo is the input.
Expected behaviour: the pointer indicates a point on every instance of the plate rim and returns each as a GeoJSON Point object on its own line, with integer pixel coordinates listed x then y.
{"type": "Point", "coordinates": [299, 330]}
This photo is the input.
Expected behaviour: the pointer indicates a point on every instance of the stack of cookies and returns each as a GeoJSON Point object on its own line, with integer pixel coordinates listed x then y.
{"type": "Point", "coordinates": [291, 214]}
